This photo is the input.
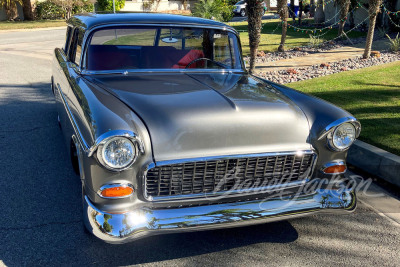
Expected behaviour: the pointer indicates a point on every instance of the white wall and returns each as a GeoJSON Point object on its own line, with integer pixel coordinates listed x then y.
{"type": "Point", "coordinates": [20, 13]}
{"type": "Point", "coordinates": [164, 5]}
{"type": "Point", "coordinates": [331, 9]}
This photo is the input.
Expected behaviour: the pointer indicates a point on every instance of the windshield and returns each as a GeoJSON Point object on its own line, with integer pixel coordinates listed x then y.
{"type": "Point", "coordinates": [163, 48]}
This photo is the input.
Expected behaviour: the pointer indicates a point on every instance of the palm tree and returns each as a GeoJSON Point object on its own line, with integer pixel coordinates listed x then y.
{"type": "Point", "coordinates": [373, 12]}
{"type": "Point", "coordinates": [344, 6]}
{"type": "Point", "coordinates": [184, 4]}
{"type": "Point", "coordinates": [292, 14]}
{"type": "Point", "coordinates": [283, 13]}
{"type": "Point", "coordinates": [312, 8]}
{"type": "Point", "coordinates": [319, 17]}
{"type": "Point", "coordinates": [10, 7]}
{"type": "Point", "coordinates": [254, 11]}
{"type": "Point", "coordinates": [300, 11]}
{"type": "Point", "coordinates": [27, 9]}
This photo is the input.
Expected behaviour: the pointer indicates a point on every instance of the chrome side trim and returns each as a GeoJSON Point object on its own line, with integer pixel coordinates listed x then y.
{"type": "Point", "coordinates": [147, 220]}
{"type": "Point", "coordinates": [244, 192]}
{"type": "Point", "coordinates": [333, 163]}
{"type": "Point", "coordinates": [106, 186]}
{"type": "Point", "coordinates": [78, 134]}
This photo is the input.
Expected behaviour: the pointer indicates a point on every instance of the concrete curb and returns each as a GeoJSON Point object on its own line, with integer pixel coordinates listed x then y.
{"type": "Point", "coordinates": [376, 161]}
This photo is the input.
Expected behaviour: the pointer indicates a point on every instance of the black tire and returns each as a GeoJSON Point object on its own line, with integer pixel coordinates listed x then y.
{"type": "Point", "coordinates": [243, 12]}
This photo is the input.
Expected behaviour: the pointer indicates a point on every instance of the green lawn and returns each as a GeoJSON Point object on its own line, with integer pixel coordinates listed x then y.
{"type": "Point", "coordinates": [371, 94]}
{"type": "Point", "coordinates": [270, 42]}
{"type": "Point", "coordinates": [12, 25]}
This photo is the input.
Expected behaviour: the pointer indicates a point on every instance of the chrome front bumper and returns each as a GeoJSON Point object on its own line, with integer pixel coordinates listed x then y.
{"type": "Point", "coordinates": [135, 224]}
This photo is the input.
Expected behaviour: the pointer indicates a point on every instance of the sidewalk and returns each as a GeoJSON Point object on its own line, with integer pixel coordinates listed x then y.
{"type": "Point", "coordinates": [34, 29]}
{"type": "Point", "coordinates": [333, 55]}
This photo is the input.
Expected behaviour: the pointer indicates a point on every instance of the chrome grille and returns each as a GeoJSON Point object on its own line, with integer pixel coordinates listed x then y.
{"type": "Point", "coordinates": [219, 175]}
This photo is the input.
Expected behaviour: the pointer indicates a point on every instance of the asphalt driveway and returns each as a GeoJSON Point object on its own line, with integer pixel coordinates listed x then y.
{"type": "Point", "coordinates": [40, 222]}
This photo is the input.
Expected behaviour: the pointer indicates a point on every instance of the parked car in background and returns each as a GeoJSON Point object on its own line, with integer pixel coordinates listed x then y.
{"type": "Point", "coordinates": [169, 133]}
{"type": "Point", "coordinates": [240, 8]}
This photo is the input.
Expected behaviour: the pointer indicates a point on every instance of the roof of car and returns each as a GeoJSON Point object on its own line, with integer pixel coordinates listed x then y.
{"type": "Point", "coordinates": [90, 20]}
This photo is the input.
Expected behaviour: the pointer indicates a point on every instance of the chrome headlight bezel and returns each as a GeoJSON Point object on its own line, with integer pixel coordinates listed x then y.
{"type": "Point", "coordinates": [102, 157]}
{"type": "Point", "coordinates": [331, 129]}
{"type": "Point", "coordinates": [107, 138]}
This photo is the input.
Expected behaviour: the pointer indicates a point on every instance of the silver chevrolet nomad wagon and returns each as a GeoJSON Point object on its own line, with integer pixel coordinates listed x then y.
{"type": "Point", "coordinates": [169, 133]}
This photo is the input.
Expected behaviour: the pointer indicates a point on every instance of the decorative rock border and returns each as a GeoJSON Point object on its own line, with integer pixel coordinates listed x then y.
{"type": "Point", "coordinates": [300, 74]}
{"type": "Point", "coordinates": [263, 57]}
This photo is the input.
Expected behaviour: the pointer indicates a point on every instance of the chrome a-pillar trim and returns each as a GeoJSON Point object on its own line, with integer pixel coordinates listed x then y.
{"type": "Point", "coordinates": [146, 221]}
{"type": "Point", "coordinates": [244, 192]}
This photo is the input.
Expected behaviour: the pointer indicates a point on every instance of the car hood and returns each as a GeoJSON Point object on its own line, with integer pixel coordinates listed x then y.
{"type": "Point", "coordinates": [202, 115]}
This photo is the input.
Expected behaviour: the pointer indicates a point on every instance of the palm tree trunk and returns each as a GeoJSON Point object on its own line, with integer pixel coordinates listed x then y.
{"type": "Point", "coordinates": [300, 10]}
{"type": "Point", "coordinates": [283, 13]}
{"type": "Point", "coordinates": [254, 9]}
{"type": "Point", "coordinates": [312, 8]}
{"type": "Point", "coordinates": [373, 12]}
{"type": "Point", "coordinates": [344, 6]}
{"type": "Point", "coordinates": [27, 9]}
{"type": "Point", "coordinates": [292, 14]}
{"type": "Point", "coordinates": [319, 12]}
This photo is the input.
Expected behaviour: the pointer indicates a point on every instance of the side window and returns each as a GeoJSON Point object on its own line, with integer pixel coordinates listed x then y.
{"type": "Point", "coordinates": [67, 39]}
{"type": "Point", "coordinates": [76, 47]}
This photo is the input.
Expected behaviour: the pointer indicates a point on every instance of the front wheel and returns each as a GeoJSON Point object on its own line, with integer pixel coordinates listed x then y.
{"type": "Point", "coordinates": [242, 12]}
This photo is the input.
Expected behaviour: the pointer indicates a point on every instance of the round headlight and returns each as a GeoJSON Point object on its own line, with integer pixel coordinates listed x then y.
{"type": "Point", "coordinates": [117, 153]}
{"type": "Point", "coordinates": [343, 136]}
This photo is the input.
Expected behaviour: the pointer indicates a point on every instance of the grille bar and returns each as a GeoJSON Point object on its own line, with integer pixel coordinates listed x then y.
{"type": "Point", "coordinates": [174, 179]}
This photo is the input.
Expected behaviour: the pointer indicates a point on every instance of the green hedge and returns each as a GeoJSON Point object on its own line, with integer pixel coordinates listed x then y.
{"type": "Point", "coordinates": [52, 9]}
{"type": "Point", "coordinates": [107, 5]}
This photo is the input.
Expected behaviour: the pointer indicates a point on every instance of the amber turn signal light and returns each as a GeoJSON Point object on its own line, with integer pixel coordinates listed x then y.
{"type": "Point", "coordinates": [335, 169]}
{"type": "Point", "coordinates": [116, 191]}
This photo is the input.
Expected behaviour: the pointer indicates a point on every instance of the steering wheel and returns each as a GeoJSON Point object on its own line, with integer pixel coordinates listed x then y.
{"type": "Point", "coordinates": [206, 59]}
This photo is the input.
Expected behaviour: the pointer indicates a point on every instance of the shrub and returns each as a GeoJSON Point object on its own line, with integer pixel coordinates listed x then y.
{"type": "Point", "coordinates": [219, 10]}
{"type": "Point", "coordinates": [49, 10]}
{"type": "Point", "coordinates": [394, 44]}
{"type": "Point", "coordinates": [314, 41]}
{"type": "Point", "coordinates": [62, 9]}
{"type": "Point", "coordinates": [107, 5]}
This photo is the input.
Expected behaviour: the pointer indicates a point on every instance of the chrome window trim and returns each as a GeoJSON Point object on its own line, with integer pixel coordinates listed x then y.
{"type": "Point", "coordinates": [242, 192]}
{"type": "Point", "coordinates": [88, 33]}
{"type": "Point", "coordinates": [334, 163]}
{"type": "Point", "coordinates": [187, 71]}
{"type": "Point", "coordinates": [106, 186]}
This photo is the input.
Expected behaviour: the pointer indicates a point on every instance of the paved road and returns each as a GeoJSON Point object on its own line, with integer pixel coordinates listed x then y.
{"type": "Point", "coordinates": [41, 223]}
